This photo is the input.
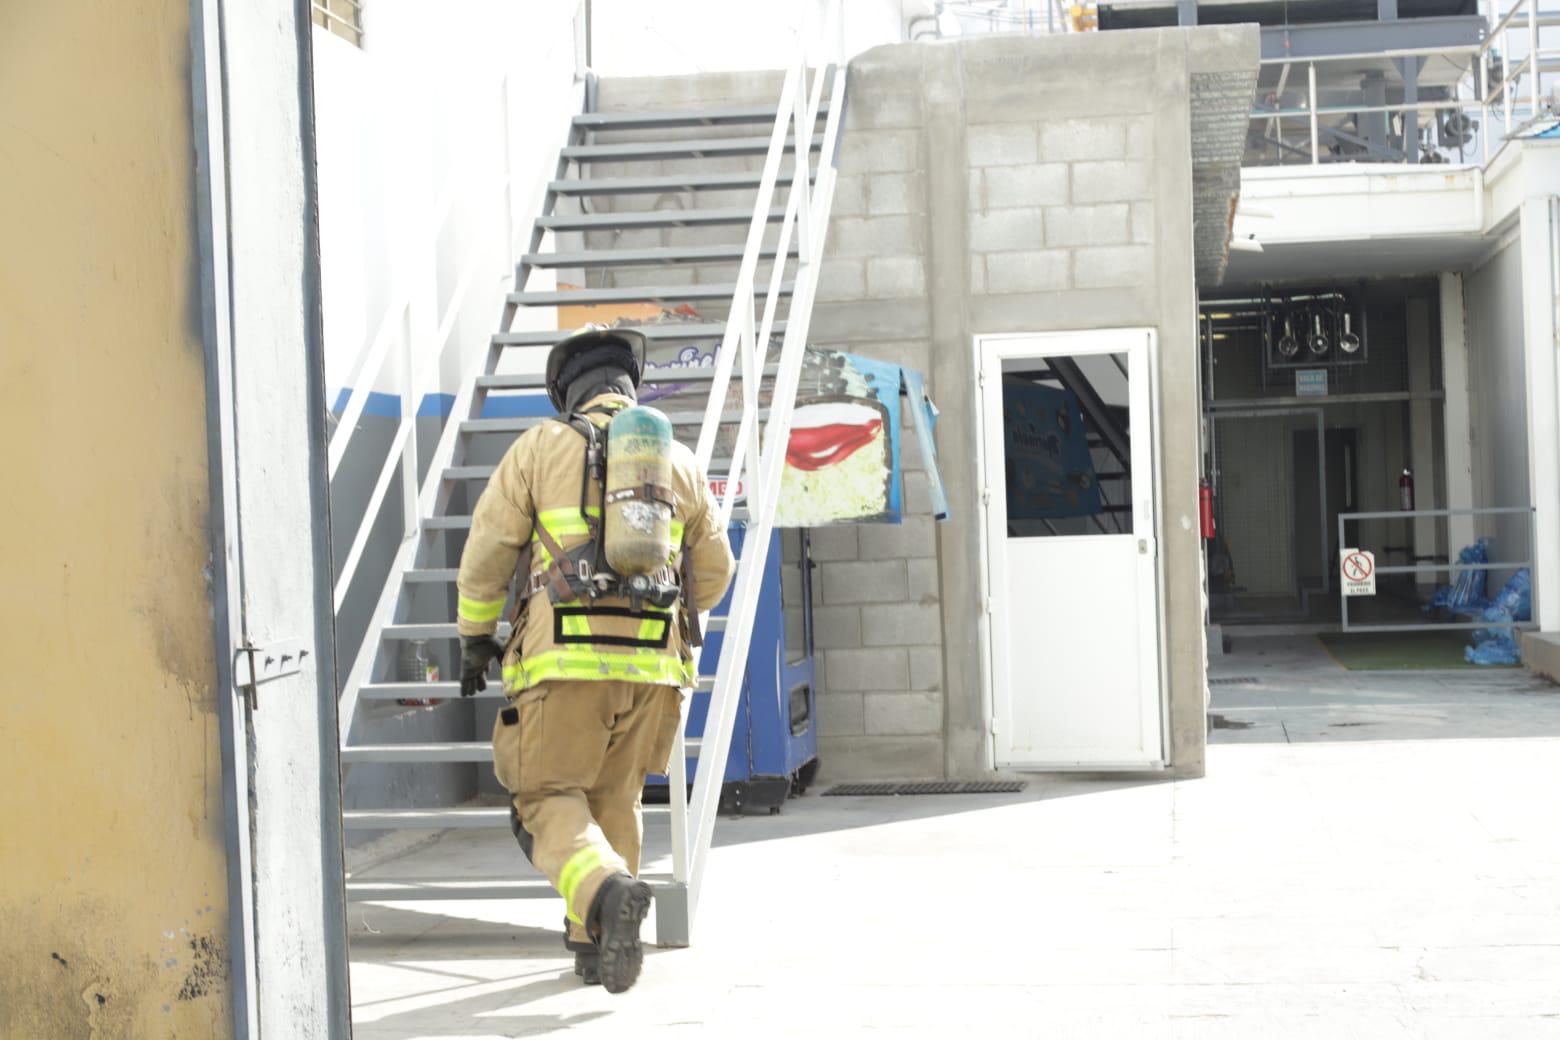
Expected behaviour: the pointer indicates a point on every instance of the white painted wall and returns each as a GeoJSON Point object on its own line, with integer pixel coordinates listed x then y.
{"type": "Point", "coordinates": [1497, 398]}
{"type": "Point", "coordinates": [436, 140]}
{"type": "Point", "coordinates": [1540, 224]}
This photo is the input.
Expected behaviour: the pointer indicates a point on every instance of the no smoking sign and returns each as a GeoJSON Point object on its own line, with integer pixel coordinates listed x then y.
{"type": "Point", "coordinates": [1357, 569]}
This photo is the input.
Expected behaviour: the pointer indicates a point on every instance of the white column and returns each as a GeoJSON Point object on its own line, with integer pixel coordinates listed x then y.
{"type": "Point", "coordinates": [1543, 403]}
{"type": "Point", "coordinates": [1421, 437]}
{"type": "Point", "coordinates": [1455, 417]}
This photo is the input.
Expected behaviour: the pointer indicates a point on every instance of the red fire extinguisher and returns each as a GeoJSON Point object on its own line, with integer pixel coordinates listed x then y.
{"type": "Point", "coordinates": [1406, 490]}
{"type": "Point", "coordinates": [1205, 508]}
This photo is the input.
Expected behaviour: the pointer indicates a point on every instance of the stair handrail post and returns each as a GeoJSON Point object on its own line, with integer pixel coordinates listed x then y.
{"type": "Point", "coordinates": [755, 548]}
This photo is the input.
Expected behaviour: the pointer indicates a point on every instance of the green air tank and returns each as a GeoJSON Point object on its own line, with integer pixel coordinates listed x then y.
{"type": "Point", "coordinates": [638, 514]}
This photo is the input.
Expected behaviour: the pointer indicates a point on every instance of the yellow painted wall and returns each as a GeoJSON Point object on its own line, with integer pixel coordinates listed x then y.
{"type": "Point", "coordinates": [112, 879]}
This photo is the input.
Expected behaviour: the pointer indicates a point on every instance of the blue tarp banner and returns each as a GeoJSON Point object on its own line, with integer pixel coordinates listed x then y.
{"type": "Point", "coordinates": [1050, 471]}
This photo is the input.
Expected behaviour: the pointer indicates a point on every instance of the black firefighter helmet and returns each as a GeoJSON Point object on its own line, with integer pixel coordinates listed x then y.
{"type": "Point", "coordinates": [594, 346]}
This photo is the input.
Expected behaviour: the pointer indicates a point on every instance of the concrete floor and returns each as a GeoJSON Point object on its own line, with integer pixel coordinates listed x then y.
{"type": "Point", "coordinates": [1375, 855]}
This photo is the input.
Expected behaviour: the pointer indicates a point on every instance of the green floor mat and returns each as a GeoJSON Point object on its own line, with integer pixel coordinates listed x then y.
{"type": "Point", "coordinates": [1393, 651]}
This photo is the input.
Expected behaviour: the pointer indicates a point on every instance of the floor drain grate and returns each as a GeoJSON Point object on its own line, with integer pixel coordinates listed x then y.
{"type": "Point", "coordinates": [1234, 680]}
{"type": "Point", "coordinates": [931, 787]}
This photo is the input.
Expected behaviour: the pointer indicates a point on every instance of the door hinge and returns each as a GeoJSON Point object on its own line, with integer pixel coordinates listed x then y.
{"type": "Point", "coordinates": [988, 606]}
{"type": "Point", "coordinates": [254, 665]}
{"type": "Point", "coordinates": [993, 725]}
{"type": "Point", "coordinates": [985, 496]}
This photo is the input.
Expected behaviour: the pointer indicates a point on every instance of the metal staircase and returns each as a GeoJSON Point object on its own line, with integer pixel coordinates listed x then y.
{"type": "Point", "coordinates": [760, 345]}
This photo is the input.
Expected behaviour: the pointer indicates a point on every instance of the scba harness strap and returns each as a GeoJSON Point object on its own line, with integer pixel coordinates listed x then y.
{"type": "Point", "coordinates": [576, 578]}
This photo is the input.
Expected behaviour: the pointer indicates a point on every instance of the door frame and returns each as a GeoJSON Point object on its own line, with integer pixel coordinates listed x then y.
{"type": "Point", "coordinates": [992, 497]}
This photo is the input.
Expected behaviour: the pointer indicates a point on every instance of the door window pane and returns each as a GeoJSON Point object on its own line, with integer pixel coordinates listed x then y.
{"type": "Point", "coordinates": [1067, 445]}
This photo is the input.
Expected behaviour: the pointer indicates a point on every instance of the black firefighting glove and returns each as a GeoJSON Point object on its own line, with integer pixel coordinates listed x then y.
{"type": "Point", "coordinates": [476, 653]}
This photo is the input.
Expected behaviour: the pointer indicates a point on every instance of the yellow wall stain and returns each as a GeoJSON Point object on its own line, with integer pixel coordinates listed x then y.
{"type": "Point", "coordinates": [112, 866]}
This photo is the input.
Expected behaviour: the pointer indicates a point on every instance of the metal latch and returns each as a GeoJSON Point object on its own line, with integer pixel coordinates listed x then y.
{"type": "Point", "coordinates": [253, 665]}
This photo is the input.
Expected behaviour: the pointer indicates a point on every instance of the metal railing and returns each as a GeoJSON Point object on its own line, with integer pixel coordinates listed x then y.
{"type": "Point", "coordinates": [1448, 566]}
{"type": "Point", "coordinates": [759, 451]}
{"type": "Point", "coordinates": [1489, 83]}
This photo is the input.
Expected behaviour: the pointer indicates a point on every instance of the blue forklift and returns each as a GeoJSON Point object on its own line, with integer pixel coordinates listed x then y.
{"type": "Point", "coordinates": [774, 741]}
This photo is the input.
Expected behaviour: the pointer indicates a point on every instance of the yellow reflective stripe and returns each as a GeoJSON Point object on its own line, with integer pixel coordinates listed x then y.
{"type": "Point", "coordinates": [480, 610]}
{"type": "Point", "coordinates": [574, 624]}
{"type": "Point", "coordinates": [677, 536]}
{"type": "Point", "coordinates": [575, 870]}
{"type": "Point", "coordinates": [560, 523]}
{"type": "Point", "coordinates": [652, 627]}
{"type": "Point", "coordinates": [646, 666]}
{"type": "Point", "coordinates": [512, 675]}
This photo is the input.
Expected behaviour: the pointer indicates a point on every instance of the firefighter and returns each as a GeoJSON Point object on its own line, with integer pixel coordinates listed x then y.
{"type": "Point", "coordinates": [594, 678]}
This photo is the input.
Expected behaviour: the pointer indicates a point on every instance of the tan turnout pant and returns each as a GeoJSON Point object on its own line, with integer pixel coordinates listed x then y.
{"type": "Point", "coordinates": [574, 755]}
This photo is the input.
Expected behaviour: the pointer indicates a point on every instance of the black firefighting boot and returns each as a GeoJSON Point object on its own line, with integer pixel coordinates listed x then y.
{"type": "Point", "coordinates": [587, 959]}
{"type": "Point", "coordinates": [615, 915]}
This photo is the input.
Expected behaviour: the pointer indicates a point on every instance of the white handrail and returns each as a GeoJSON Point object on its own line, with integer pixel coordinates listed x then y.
{"type": "Point", "coordinates": [763, 458]}
{"type": "Point", "coordinates": [725, 356]}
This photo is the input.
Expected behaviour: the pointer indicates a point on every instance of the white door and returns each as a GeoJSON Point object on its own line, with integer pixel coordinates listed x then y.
{"type": "Point", "coordinates": [1067, 453]}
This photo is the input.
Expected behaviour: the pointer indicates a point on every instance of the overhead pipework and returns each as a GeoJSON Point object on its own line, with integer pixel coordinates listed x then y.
{"type": "Point", "coordinates": [1297, 329]}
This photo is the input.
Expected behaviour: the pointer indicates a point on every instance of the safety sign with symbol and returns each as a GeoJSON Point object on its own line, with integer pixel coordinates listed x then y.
{"type": "Point", "coordinates": [1358, 570]}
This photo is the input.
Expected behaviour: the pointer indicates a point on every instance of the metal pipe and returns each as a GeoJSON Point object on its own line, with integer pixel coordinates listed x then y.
{"type": "Point", "coordinates": [1403, 52]}
{"type": "Point", "coordinates": [1453, 104]}
{"type": "Point", "coordinates": [1484, 105]}
{"type": "Point", "coordinates": [1532, 6]}
{"type": "Point", "coordinates": [1315, 137]}
{"type": "Point", "coordinates": [1505, 75]}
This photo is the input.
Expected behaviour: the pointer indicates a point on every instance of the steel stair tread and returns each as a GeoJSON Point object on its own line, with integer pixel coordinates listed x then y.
{"type": "Point", "coordinates": [446, 690]}
{"type": "Point", "coordinates": [521, 423]}
{"type": "Point", "coordinates": [630, 294]}
{"type": "Point", "coordinates": [732, 115]}
{"type": "Point", "coordinates": [654, 331]}
{"type": "Point", "coordinates": [654, 218]}
{"type": "Point", "coordinates": [440, 751]}
{"type": "Point", "coordinates": [391, 890]}
{"type": "Point", "coordinates": [641, 257]}
{"type": "Point", "coordinates": [655, 376]}
{"type": "Point", "coordinates": [661, 185]}
{"type": "Point", "coordinates": [433, 630]}
{"type": "Point", "coordinates": [719, 468]}
{"type": "Point", "coordinates": [462, 817]}
{"type": "Point", "coordinates": [686, 149]}
{"type": "Point", "coordinates": [431, 751]}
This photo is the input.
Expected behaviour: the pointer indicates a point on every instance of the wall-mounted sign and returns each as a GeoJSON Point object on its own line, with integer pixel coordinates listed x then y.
{"type": "Point", "coordinates": [1357, 572]}
{"type": "Point", "coordinates": [1310, 382]}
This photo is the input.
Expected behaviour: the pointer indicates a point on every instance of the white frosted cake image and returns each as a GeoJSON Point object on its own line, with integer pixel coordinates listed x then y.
{"type": "Point", "coordinates": [837, 465]}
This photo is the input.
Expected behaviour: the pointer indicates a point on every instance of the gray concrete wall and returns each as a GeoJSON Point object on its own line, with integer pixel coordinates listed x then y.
{"type": "Point", "coordinates": [1497, 400]}
{"type": "Point", "coordinates": [986, 186]}
{"type": "Point", "coordinates": [1004, 185]}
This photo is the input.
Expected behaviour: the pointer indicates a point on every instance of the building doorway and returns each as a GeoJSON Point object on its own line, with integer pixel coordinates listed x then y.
{"type": "Point", "coordinates": [1070, 542]}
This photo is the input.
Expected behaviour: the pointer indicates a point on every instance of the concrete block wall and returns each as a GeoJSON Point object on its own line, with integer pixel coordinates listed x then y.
{"type": "Point", "coordinates": [986, 186]}
{"type": "Point", "coordinates": [877, 626]}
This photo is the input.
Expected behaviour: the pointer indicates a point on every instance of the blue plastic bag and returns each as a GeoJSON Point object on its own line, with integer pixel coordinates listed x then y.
{"type": "Point", "coordinates": [1466, 592]}
{"type": "Point", "coordinates": [1500, 650]}
{"type": "Point", "coordinates": [1516, 596]}
{"type": "Point", "coordinates": [1514, 602]}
